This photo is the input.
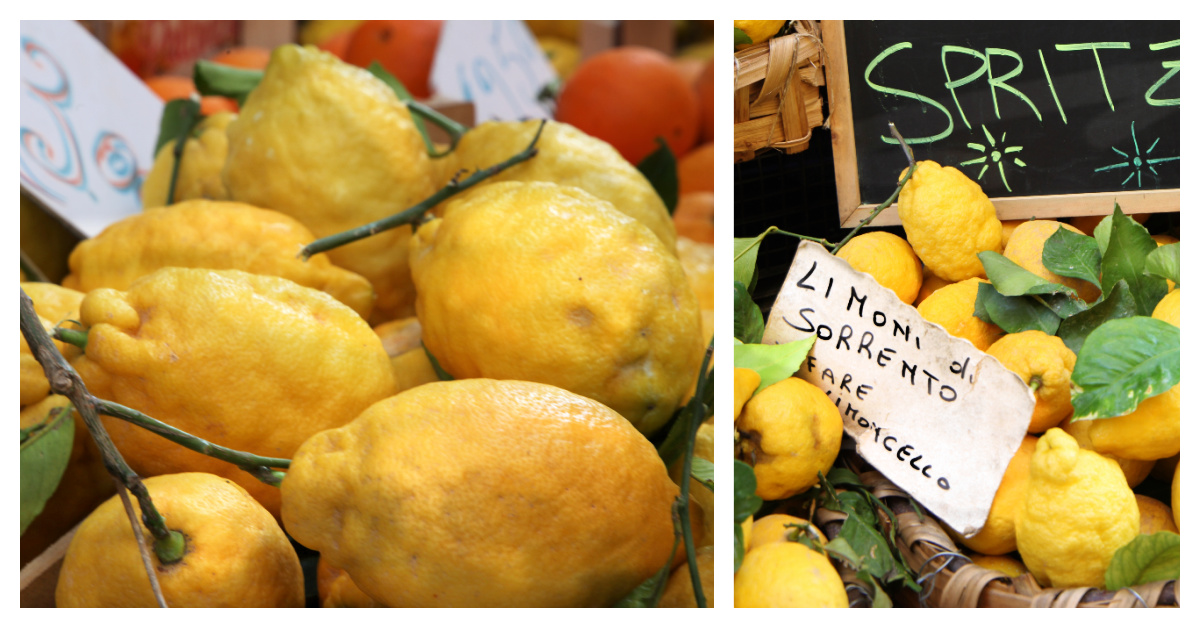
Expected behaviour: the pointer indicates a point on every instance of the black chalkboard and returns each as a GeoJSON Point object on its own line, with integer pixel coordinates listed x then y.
{"type": "Point", "coordinates": [1029, 108]}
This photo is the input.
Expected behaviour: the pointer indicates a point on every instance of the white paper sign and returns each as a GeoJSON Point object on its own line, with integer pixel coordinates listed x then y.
{"type": "Point", "coordinates": [88, 126]}
{"type": "Point", "coordinates": [938, 417]}
{"type": "Point", "coordinates": [497, 65]}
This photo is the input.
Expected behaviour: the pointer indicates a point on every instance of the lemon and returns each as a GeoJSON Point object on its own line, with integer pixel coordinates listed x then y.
{"type": "Point", "coordinates": [948, 220]}
{"type": "Point", "coordinates": [781, 528]}
{"type": "Point", "coordinates": [789, 432]}
{"type": "Point", "coordinates": [953, 307]}
{"type": "Point", "coordinates": [1025, 247]}
{"type": "Point", "coordinates": [1136, 471]}
{"type": "Point", "coordinates": [199, 176]}
{"type": "Point", "coordinates": [563, 55]}
{"type": "Point", "coordinates": [888, 259]}
{"type": "Point", "coordinates": [1044, 363]}
{"type": "Point", "coordinates": [413, 368]}
{"type": "Point", "coordinates": [745, 382]}
{"type": "Point", "coordinates": [787, 575]}
{"type": "Point", "coordinates": [929, 284]}
{"type": "Point", "coordinates": [679, 592]}
{"type": "Point", "coordinates": [1078, 511]}
{"type": "Point", "coordinates": [998, 535]}
{"type": "Point", "coordinates": [759, 30]}
{"type": "Point", "coordinates": [547, 283]}
{"type": "Point", "coordinates": [485, 493]}
{"type": "Point", "coordinates": [1004, 563]}
{"type": "Point", "coordinates": [1155, 515]}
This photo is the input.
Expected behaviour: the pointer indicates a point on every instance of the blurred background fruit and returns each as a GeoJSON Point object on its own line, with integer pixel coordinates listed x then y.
{"type": "Point", "coordinates": [405, 48]}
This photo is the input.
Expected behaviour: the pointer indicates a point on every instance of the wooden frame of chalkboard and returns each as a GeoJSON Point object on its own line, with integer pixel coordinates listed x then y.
{"type": "Point", "coordinates": [1118, 82]}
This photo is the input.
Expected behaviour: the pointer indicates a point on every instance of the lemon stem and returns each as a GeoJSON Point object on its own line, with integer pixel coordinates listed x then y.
{"type": "Point", "coordinates": [177, 150]}
{"type": "Point", "coordinates": [695, 416]}
{"type": "Point", "coordinates": [912, 166]}
{"type": "Point", "coordinates": [170, 549]}
{"type": "Point", "coordinates": [74, 337]}
{"type": "Point", "coordinates": [451, 127]}
{"type": "Point", "coordinates": [414, 213]}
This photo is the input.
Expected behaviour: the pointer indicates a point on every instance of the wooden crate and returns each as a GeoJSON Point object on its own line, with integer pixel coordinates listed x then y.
{"type": "Point", "coordinates": [777, 100]}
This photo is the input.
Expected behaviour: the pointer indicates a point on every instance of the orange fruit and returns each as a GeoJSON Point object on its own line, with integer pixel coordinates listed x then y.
{"type": "Point", "coordinates": [628, 96]}
{"type": "Point", "coordinates": [696, 170]}
{"type": "Point", "coordinates": [181, 87]}
{"type": "Point", "coordinates": [245, 57]}
{"type": "Point", "coordinates": [694, 216]}
{"type": "Point", "coordinates": [338, 44]}
{"type": "Point", "coordinates": [404, 48]}
{"type": "Point", "coordinates": [704, 98]}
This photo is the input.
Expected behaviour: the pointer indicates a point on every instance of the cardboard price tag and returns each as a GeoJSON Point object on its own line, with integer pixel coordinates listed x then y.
{"type": "Point", "coordinates": [497, 65]}
{"type": "Point", "coordinates": [88, 126]}
{"type": "Point", "coordinates": [931, 412]}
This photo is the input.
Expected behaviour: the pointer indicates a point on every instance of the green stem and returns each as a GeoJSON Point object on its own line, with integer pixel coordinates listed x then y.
{"type": "Point", "coordinates": [430, 114]}
{"type": "Point", "coordinates": [74, 337]}
{"type": "Point", "coordinates": [32, 272]}
{"type": "Point", "coordinates": [177, 151]}
{"type": "Point", "coordinates": [695, 418]}
{"type": "Point", "coordinates": [912, 166]}
{"type": "Point", "coordinates": [258, 466]}
{"type": "Point", "coordinates": [65, 381]}
{"type": "Point", "coordinates": [414, 213]}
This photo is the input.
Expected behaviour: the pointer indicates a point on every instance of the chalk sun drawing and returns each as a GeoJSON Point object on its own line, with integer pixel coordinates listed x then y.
{"type": "Point", "coordinates": [1137, 162]}
{"type": "Point", "coordinates": [995, 155]}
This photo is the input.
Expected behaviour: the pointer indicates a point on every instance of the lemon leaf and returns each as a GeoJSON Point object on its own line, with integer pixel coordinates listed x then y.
{"type": "Point", "coordinates": [1072, 254]}
{"type": "Point", "coordinates": [1119, 304]}
{"type": "Point", "coordinates": [179, 116]}
{"type": "Point", "coordinates": [1164, 262]}
{"type": "Point", "coordinates": [740, 37]}
{"type": "Point", "coordinates": [1122, 363]}
{"type": "Point", "coordinates": [1125, 258]}
{"type": "Point", "coordinates": [437, 368]}
{"type": "Point", "coordinates": [748, 323]}
{"type": "Point", "coordinates": [702, 471]}
{"type": "Point", "coordinates": [660, 170]}
{"type": "Point", "coordinates": [1014, 314]}
{"type": "Point", "coordinates": [840, 548]}
{"type": "Point", "coordinates": [1013, 281]}
{"type": "Point", "coordinates": [877, 558]}
{"type": "Point", "coordinates": [1147, 558]}
{"type": "Point", "coordinates": [648, 593]}
{"type": "Point", "coordinates": [45, 452]}
{"type": "Point", "coordinates": [773, 363]}
{"type": "Point", "coordinates": [745, 259]}
{"type": "Point", "coordinates": [853, 501]}
{"type": "Point", "coordinates": [1102, 232]}
{"type": "Point", "coordinates": [215, 79]}
{"type": "Point", "coordinates": [746, 502]}
{"type": "Point", "coordinates": [739, 546]}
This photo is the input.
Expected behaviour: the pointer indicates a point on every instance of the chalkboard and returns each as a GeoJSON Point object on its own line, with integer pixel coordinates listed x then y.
{"type": "Point", "coordinates": [1050, 118]}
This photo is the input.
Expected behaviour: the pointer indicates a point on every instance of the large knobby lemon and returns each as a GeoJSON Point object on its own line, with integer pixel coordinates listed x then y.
{"type": "Point", "coordinates": [332, 146]}
{"type": "Point", "coordinates": [787, 575]}
{"type": "Point", "coordinates": [236, 555]}
{"type": "Point", "coordinates": [789, 432]}
{"type": "Point", "coordinates": [1045, 363]}
{"type": "Point", "coordinates": [547, 283]}
{"type": "Point", "coordinates": [485, 493]}
{"type": "Point", "coordinates": [948, 220]}
{"type": "Point", "coordinates": [199, 174]}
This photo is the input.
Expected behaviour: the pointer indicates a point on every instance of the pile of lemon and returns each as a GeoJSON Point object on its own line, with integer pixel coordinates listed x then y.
{"type": "Point", "coordinates": [556, 296]}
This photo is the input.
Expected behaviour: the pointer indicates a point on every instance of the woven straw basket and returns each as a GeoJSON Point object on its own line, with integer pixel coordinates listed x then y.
{"type": "Point", "coordinates": [777, 102]}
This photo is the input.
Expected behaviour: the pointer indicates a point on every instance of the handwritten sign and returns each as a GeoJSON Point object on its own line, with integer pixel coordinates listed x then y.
{"type": "Point", "coordinates": [88, 126]}
{"type": "Point", "coordinates": [931, 412]}
{"type": "Point", "coordinates": [497, 65]}
{"type": "Point", "coordinates": [1050, 118]}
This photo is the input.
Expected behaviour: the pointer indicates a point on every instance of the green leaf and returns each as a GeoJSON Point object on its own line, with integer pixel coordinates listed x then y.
{"type": "Point", "coordinates": [1013, 281]}
{"type": "Point", "coordinates": [437, 368]}
{"type": "Point", "coordinates": [1147, 558]}
{"type": "Point", "coordinates": [740, 37]}
{"type": "Point", "coordinates": [676, 440]}
{"type": "Point", "coordinates": [1071, 254]}
{"type": "Point", "coordinates": [871, 546]}
{"type": "Point", "coordinates": [702, 471]}
{"type": "Point", "coordinates": [1064, 305]}
{"type": "Point", "coordinates": [659, 168]}
{"type": "Point", "coordinates": [214, 79]}
{"type": "Point", "coordinates": [1014, 314]}
{"type": "Point", "coordinates": [840, 476]}
{"type": "Point", "coordinates": [1164, 262]}
{"type": "Point", "coordinates": [853, 501]}
{"type": "Point", "coordinates": [1125, 258]}
{"type": "Point", "coordinates": [880, 598]}
{"type": "Point", "coordinates": [745, 259]}
{"type": "Point", "coordinates": [45, 452]}
{"type": "Point", "coordinates": [748, 325]}
{"type": "Point", "coordinates": [1102, 232]}
{"type": "Point", "coordinates": [773, 363]}
{"type": "Point", "coordinates": [178, 118]}
{"type": "Point", "coordinates": [1074, 330]}
{"type": "Point", "coordinates": [648, 593]}
{"type": "Point", "coordinates": [844, 552]}
{"type": "Point", "coordinates": [746, 501]}
{"type": "Point", "coordinates": [1122, 363]}
{"type": "Point", "coordinates": [739, 546]}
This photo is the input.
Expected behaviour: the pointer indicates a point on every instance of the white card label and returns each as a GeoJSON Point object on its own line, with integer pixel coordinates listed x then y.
{"type": "Point", "coordinates": [88, 126]}
{"type": "Point", "coordinates": [497, 65]}
{"type": "Point", "coordinates": [938, 417]}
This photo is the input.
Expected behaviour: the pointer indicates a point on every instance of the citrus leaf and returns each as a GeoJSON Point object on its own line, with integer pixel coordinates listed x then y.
{"type": "Point", "coordinates": [659, 168]}
{"type": "Point", "coordinates": [1013, 281]}
{"type": "Point", "coordinates": [853, 501]}
{"type": "Point", "coordinates": [842, 550]}
{"type": "Point", "coordinates": [748, 323]}
{"type": "Point", "coordinates": [1119, 304]}
{"type": "Point", "coordinates": [839, 476]}
{"type": "Point", "coordinates": [702, 471]}
{"type": "Point", "coordinates": [1014, 314]}
{"type": "Point", "coordinates": [1122, 363]}
{"type": "Point", "coordinates": [739, 546]}
{"type": "Point", "coordinates": [1164, 262]}
{"type": "Point", "coordinates": [740, 37]}
{"type": "Point", "coordinates": [746, 501]}
{"type": "Point", "coordinates": [1064, 305]}
{"type": "Point", "coordinates": [1147, 558]}
{"type": "Point", "coordinates": [215, 79]}
{"type": "Point", "coordinates": [880, 598]}
{"type": "Point", "coordinates": [868, 543]}
{"type": "Point", "coordinates": [1102, 231]}
{"type": "Point", "coordinates": [1072, 254]}
{"type": "Point", "coordinates": [1125, 258]}
{"type": "Point", "coordinates": [647, 594]}
{"type": "Point", "coordinates": [745, 259]}
{"type": "Point", "coordinates": [773, 363]}
{"type": "Point", "coordinates": [45, 453]}
{"type": "Point", "coordinates": [178, 117]}
{"type": "Point", "coordinates": [437, 368]}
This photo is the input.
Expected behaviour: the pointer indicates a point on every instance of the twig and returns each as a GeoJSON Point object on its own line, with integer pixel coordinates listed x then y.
{"type": "Point", "coordinates": [912, 166]}
{"type": "Point", "coordinates": [141, 543]}
{"type": "Point", "coordinates": [695, 419]}
{"type": "Point", "coordinates": [31, 270]}
{"type": "Point", "coordinates": [414, 213]}
{"type": "Point", "coordinates": [454, 129]}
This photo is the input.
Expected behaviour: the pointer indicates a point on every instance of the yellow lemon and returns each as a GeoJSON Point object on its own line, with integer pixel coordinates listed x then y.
{"type": "Point", "coordinates": [789, 432]}
{"type": "Point", "coordinates": [929, 284]}
{"type": "Point", "coordinates": [953, 307]}
{"type": "Point", "coordinates": [1006, 564]}
{"type": "Point", "coordinates": [1078, 511]}
{"type": "Point", "coordinates": [1025, 249]}
{"type": "Point", "coordinates": [998, 535]}
{"type": "Point", "coordinates": [887, 258]}
{"type": "Point", "coordinates": [200, 172]}
{"type": "Point", "coordinates": [759, 30]}
{"type": "Point", "coordinates": [400, 336]}
{"type": "Point", "coordinates": [53, 305]}
{"type": "Point", "coordinates": [575, 294]}
{"type": "Point", "coordinates": [549, 498]}
{"type": "Point", "coordinates": [1168, 308]}
{"type": "Point", "coordinates": [1007, 227]}
{"type": "Point", "coordinates": [745, 382]}
{"type": "Point", "coordinates": [413, 368]}
{"type": "Point", "coordinates": [948, 220]}
{"type": "Point", "coordinates": [781, 528]}
{"type": "Point", "coordinates": [236, 554]}
{"type": "Point", "coordinates": [680, 593]}
{"type": "Point", "coordinates": [698, 260]}
{"type": "Point", "coordinates": [1044, 363]}
{"type": "Point", "coordinates": [563, 55]}
{"type": "Point", "coordinates": [787, 575]}
{"type": "Point", "coordinates": [1155, 515]}
{"type": "Point", "coordinates": [1136, 471]}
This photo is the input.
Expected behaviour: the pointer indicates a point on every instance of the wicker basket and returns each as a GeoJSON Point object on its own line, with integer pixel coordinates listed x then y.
{"type": "Point", "coordinates": [949, 579]}
{"type": "Point", "coordinates": [777, 102]}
